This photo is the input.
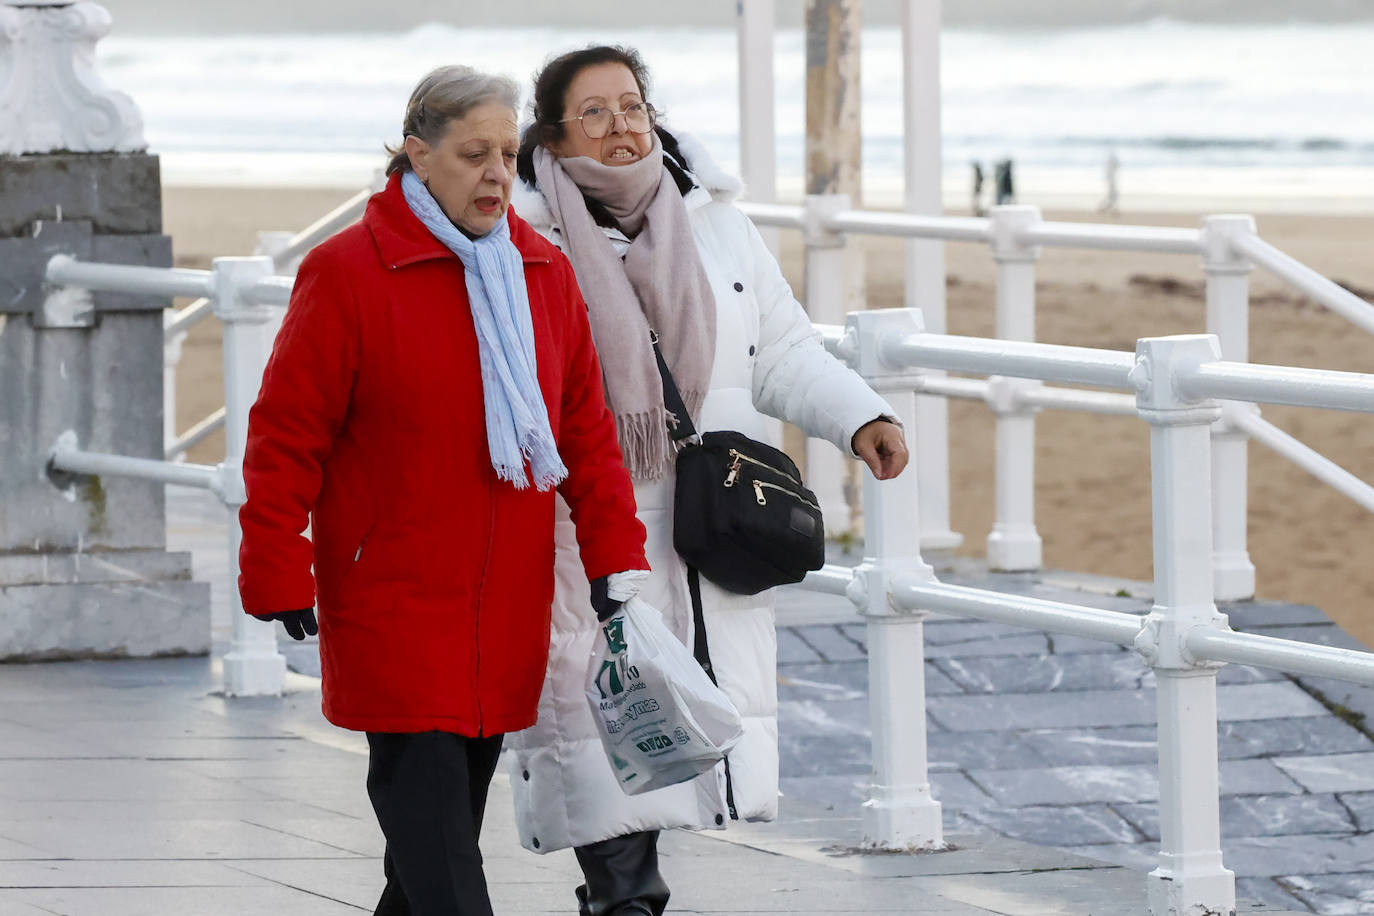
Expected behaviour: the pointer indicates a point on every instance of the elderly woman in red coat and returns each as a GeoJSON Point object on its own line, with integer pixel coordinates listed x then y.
{"type": "Point", "coordinates": [433, 385]}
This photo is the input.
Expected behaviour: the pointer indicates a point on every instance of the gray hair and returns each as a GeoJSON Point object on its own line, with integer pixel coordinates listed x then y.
{"type": "Point", "coordinates": [447, 94]}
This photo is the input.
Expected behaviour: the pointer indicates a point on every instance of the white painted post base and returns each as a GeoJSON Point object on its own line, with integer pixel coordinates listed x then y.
{"type": "Point", "coordinates": [1190, 879]}
{"type": "Point", "coordinates": [902, 814]}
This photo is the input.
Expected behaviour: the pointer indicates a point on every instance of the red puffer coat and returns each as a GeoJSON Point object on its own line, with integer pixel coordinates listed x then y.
{"type": "Point", "coordinates": [433, 578]}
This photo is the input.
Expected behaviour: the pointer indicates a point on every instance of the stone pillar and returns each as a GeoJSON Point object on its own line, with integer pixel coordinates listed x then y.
{"type": "Point", "coordinates": [83, 567]}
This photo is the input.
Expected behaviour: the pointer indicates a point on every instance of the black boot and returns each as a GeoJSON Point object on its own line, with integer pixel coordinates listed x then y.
{"type": "Point", "coordinates": [622, 877]}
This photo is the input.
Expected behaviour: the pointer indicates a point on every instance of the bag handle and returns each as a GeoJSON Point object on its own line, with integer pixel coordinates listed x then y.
{"type": "Point", "coordinates": [672, 398]}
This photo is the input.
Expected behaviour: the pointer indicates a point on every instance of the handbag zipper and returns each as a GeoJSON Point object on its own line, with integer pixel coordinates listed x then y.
{"type": "Point", "coordinates": [763, 501]}
{"type": "Point", "coordinates": [740, 456]}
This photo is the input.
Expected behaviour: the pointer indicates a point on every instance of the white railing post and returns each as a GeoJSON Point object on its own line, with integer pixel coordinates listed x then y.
{"type": "Point", "coordinates": [757, 128]}
{"type": "Point", "coordinates": [925, 258]}
{"type": "Point", "coordinates": [827, 470]}
{"type": "Point", "coordinates": [1190, 878]}
{"type": "Point", "coordinates": [1014, 543]}
{"type": "Point", "coordinates": [253, 665]}
{"type": "Point", "coordinates": [900, 812]}
{"type": "Point", "coordinates": [1228, 317]}
{"type": "Point", "coordinates": [171, 358]}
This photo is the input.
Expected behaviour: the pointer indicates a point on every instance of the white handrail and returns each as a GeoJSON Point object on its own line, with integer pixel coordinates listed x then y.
{"type": "Point", "coordinates": [831, 579]}
{"type": "Point", "coordinates": [343, 215]}
{"type": "Point", "coordinates": [1280, 385]}
{"type": "Point", "coordinates": [65, 456]}
{"type": "Point", "coordinates": [1112, 238]}
{"type": "Point", "coordinates": [64, 270]}
{"type": "Point", "coordinates": [1282, 654]}
{"type": "Point", "coordinates": [1050, 362]}
{"type": "Point", "coordinates": [907, 225]}
{"type": "Point", "coordinates": [196, 434]}
{"type": "Point", "coordinates": [782, 216]}
{"type": "Point", "coordinates": [1051, 616]}
{"type": "Point", "coordinates": [1330, 294]}
{"type": "Point", "coordinates": [1304, 456]}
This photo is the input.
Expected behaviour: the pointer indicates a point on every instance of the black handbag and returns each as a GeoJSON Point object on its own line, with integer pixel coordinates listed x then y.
{"type": "Point", "coordinates": [741, 514]}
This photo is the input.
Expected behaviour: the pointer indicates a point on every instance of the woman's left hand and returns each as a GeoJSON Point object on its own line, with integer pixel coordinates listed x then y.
{"type": "Point", "coordinates": [882, 446]}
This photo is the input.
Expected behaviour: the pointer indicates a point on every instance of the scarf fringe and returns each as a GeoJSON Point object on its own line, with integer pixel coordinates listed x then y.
{"type": "Point", "coordinates": [644, 440]}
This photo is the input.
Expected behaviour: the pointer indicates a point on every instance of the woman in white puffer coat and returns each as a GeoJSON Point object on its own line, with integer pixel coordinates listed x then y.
{"type": "Point", "coordinates": [648, 223]}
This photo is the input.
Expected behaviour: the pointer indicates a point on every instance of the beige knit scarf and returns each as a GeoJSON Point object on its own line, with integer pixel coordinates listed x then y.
{"type": "Point", "coordinates": [660, 284]}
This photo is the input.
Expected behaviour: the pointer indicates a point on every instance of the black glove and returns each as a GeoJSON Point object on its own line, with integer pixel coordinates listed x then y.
{"type": "Point", "coordinates": [604, 605]}
{"type": "Point", "coordinates": [297, 623]}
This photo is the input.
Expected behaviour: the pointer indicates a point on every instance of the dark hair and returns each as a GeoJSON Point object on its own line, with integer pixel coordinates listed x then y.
{"type": "Point", "coordinates": [446, 94]}
{"type": "Point", "coordinates": [550, 94]}
{"type": "Point", "coordinates": [551, 90]}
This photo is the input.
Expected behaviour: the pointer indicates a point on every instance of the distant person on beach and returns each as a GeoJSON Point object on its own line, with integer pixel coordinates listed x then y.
{"type": "Point", "coordinates": [1111, 204]}
{"type": "Point", "coordinates": [646, 216]}
{"type": "Point", "coordinates": [976, 207]}
{"type": "Point", "coordinates": [1005, 183]}
{"type": "Point", "coordinates": [434, 389]}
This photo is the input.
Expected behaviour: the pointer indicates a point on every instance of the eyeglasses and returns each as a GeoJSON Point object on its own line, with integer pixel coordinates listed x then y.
{"type": "Point", "coordinates": [598, 121]}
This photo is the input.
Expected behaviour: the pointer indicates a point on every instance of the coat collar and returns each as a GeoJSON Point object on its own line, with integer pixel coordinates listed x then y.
{"type": "Point", "coordinates": [712, 183]}
{"type": "Point", "coordinates": [402, 239]}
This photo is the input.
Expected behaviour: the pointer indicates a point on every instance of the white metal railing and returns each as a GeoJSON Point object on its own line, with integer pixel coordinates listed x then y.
{"type": "Point", "coordinates": [246, 297]}
{"type": "Point", "coordinates": [1175, 381]}
{"type": "Point", "coordinates": [1228, 248]}
{"type": "Point", "coordinates": [285, 250]}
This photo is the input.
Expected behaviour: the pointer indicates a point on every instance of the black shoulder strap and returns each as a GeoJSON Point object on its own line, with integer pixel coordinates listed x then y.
{"type": "Point", "coordinates": [702, 653]}
{"type": "Point", "coordinates": [672, 398]}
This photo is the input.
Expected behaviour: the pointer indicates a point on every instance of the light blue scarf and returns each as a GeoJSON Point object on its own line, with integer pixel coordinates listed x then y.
{"type": "Point", "coordinates": [517, 421]}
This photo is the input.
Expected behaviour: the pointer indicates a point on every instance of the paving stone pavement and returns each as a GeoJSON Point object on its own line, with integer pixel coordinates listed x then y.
{"type": "Point", "coordinates": [133, 788]}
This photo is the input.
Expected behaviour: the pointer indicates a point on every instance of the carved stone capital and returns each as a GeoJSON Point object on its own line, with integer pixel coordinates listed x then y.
{"type": "Point", "coordinates": [52, 99]}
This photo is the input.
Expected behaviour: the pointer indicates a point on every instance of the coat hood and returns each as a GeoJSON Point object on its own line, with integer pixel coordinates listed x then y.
{"type": "Point", "coordinates": [529, 201]}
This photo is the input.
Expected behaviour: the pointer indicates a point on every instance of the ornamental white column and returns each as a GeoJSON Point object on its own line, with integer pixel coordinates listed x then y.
{"type": "Point", "coordinates": [1190, 878]}
{"type": "Point", "coordinates": [51, 98]}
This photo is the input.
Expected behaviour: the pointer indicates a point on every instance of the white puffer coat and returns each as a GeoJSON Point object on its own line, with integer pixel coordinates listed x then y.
{"type": "Point", "coordinates": [768, 360]}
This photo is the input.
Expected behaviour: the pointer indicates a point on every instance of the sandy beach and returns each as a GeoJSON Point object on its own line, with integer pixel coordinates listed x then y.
{"type": "Point", "coordinates": [1093, 498]}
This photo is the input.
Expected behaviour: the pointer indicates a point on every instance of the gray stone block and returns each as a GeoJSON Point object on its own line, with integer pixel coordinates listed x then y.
{"type": "Point", "coordinates": [1331, 772]}
{"type": "Point", "coordinates": [117, 619]}
{"type": "Point", "coordinates": [119, 193]}
{"type": "Point", "coordinates": [1304, 735]}
{"type": "Point", "coordinates": [831, 644]}
{"type": "Point", "coordinates": [1082, 708]}
{"type": "Point", "coordinates": [1059, 825]}
{"type": "Point", "coordinates": [793, 650]}
{"type": "Point", "coordinates": [1340, 893]}
{"type": "Point", "coordinates": [1107, 746]}
{"type": "Point", "coordinates": [983, 751]}
{"type": "Point", "coordinates": [1260, 815]}
{"type": "Point", "coordinates": [106, 384]}
{"type": "Point", "coordinates": [1099, 671]}
{"type": "Point", "coordinates": [1273, 700]}
{"type": "Point", "coordinates": [1257, 616]}
{"type": "Point", "coordinates": [1267, 894]}
{"type": "Point", "coordinates": [1121, 783]}
{"type": "Point", "coordinates": [24, 263]}
{"type": "Point", "coordinates": [1361, 806]}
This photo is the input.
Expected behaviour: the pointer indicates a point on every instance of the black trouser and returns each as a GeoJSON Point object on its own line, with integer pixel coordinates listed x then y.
{"type": "Point", "coordinates": [622, 877]}
{"type": "Point", "coordinates": [429, 791]}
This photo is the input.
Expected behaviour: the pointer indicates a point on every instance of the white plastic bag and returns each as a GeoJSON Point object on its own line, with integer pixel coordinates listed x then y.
{"type": "Point", "coordinates": [660, 718]}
